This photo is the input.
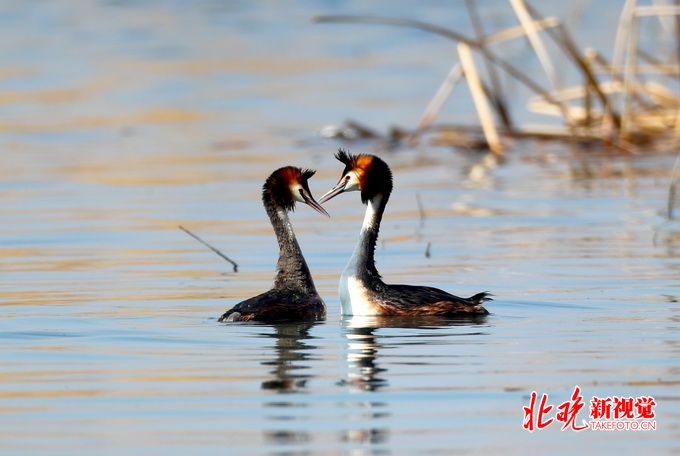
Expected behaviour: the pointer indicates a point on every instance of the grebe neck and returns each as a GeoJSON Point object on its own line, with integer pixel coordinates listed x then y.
{"type": "Point", "coordinates": [363, 259]}
{"type": "Point", "coordinates": [292, 270]}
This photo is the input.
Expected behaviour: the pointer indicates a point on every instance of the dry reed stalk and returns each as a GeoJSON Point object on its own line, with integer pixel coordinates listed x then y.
{"type": "Point", "coordinates": [653, 61]}
{"type": "Point", "coordinates": [351, 19]}
{"type": "Point", "coordinates": [588, 99]}
{"type": "Point", "coordinates": [661, 96]}
{"type": "Point", "coordinates": [635, 94]}
{"type": "Point", "coordinates": [570, 48]}
{"type": "Point", "coordinates": [444, 91]}
{"type": "Point", "coordinates": [677, 43]}
{"type": "Point", "coordinates": [538, 132]}
{"type": "Point", "coordinates": [530, 30]}
{"type": "Point", "coordinates": [622, 31]}
{"type": "Point", "coordinates": [638, 90]}
{"type": "Point", "coordinates": [664, 69]}
{"type": "Point", "coordinates": [518, 31]}
{"type": "Point", "coordinates": [656, 66]}
{"type": "Point", "coordinates": [439, 98]}
{"type": "Point", "coordinates": [607, 127]}
{"type": "Point", "coordinates": [450, 34]}
{"type": "Point", "coordinates": [496, 96]}
{"type": "Point", "coordinates": [622, 42]}
{"type": "Point", "coordinates": [561, 36]}
{"type": "Point", "coordinates": [631, 18]}
{"type": "Point", "coordinates": [657, 10]}
{"type": "Point", "coordinates": [479, 98]}
{"type": "Point", "coordinates": [629, 80]}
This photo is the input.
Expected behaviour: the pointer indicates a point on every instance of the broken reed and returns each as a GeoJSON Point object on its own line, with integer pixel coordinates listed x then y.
{"type": "Point", "coordinates": [650, 114]}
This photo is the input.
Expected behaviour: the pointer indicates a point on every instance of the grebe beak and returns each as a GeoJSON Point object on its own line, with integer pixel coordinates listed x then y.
{"type": "Point", "coordinates": [335, 191]}
{"type": "Point", "coordinates": [309, 200]}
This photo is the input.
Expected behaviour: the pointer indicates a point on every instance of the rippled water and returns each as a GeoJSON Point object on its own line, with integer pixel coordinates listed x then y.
{"type": "Point", "coordinates": [120, 121]}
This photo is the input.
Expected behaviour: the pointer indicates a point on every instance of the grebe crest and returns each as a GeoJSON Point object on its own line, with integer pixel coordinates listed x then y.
{"type": "Point", "coordinates": [361, 289]}
{"type": "Point", "coordinates": [294, 296]}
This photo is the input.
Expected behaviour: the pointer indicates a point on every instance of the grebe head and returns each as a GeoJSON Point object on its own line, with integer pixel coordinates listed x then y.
{"type": "Point", "coordinates": [365, 173]}
{"type": "Point", "coordinates": [288, 185]}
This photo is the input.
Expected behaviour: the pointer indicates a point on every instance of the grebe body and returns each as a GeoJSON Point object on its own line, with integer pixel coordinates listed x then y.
{"type": "Point", "coordinates": [294, 296]}
{"type": "Point", "coordinates": [361, 288]}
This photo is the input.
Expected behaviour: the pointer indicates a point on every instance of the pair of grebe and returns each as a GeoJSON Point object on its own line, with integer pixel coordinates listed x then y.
{"type": "Point", "coordinates": [361, 289]}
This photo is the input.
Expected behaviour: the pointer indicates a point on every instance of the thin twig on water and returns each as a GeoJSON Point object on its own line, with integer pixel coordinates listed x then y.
{"type": "Point", "coordinates": [222, 255]}
{"type": "Point", "coordinates": [421, 209]}
{"type": "Point", "coordinates": [673, 189]}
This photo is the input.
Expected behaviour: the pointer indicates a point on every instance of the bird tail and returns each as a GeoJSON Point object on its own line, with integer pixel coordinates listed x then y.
{"type": "Point", "coordinates": [481, 298]}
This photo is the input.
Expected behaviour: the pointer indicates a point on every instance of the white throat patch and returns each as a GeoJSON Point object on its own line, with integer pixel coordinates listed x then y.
{"type": "Point", "coordinates": [371, 209]}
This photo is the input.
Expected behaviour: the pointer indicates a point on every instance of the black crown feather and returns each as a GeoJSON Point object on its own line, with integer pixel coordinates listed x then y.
{"type": "Point", "coordinates": [344, 156]}
{"type": "Point", "coordinates": [307, 174]}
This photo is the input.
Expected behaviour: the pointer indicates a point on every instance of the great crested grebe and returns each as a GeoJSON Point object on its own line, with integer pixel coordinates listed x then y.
{"type": "Point", "coordinates": [361, 289]}
{"type": "Point", "coordinates": [293, 297]}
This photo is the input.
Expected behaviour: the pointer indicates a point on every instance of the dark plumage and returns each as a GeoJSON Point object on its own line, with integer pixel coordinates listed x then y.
{"type": "Point", "coordinates": [362, 291]}
{"type": "Point", "coordinates": [294, 296]}
{"type": "Point", "coordinates": [278, 305]}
